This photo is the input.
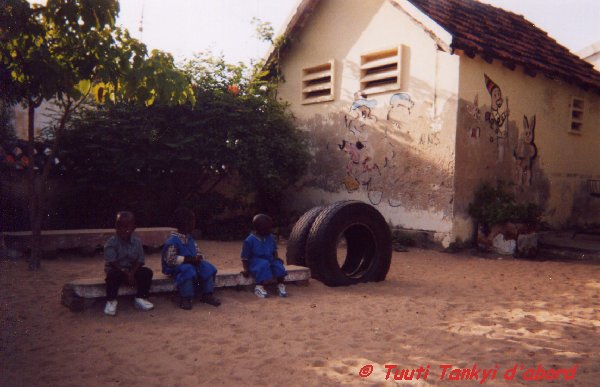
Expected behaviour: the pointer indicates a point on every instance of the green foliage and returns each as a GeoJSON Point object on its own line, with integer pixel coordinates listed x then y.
{"type": "Point", "coordinates": [496, 206]}
{"type": "Point", "coordinates": [153, 159]}
{"type": "Point", "coordinates": [7, 131]}
{"type": "Point", "coordinates": [145, 80]}
{"type": "Point", "coordinates": [213, 75]}
{"type": "Point", "coordinates": [66, 50]}
{"type": "Point", "coordinates": [264, 30]}
{"type": "Point", "coordinates": [45, 51]}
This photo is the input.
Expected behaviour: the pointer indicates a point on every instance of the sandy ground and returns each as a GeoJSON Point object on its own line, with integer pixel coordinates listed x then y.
{"type": "Point", "coordinates": [434, 309]}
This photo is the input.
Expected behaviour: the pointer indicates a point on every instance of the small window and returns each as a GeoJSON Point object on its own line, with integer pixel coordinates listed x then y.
{"type": "Point", "coordinates": [577, 105]}
{"type": "Point", "coordinates": [317, 83]}
{"type": "Point", "coordinates": [380, 71]}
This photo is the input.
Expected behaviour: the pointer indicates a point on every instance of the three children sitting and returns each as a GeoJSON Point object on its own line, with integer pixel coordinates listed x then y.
{"type": "Point", "coordinates": [182, 259]}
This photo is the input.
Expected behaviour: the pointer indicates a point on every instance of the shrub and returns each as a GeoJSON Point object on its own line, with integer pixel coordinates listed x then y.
{"type": "Point", "coordinates": [496, 206]}
{"type": "Point", "coordinates": [153, 159]}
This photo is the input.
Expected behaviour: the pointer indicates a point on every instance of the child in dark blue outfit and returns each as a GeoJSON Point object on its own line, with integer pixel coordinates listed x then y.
{"type": "Point", "coordinates": [182, 260]}
{"type": "Point", "coordinates": [259, 257]}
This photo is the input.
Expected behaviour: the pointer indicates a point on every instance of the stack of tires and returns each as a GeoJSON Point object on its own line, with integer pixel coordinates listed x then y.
{"type": "Point", "coordinates": [315, 242]}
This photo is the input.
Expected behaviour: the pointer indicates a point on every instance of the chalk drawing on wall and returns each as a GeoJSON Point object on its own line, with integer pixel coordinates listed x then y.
{"type": "Point", "coordinates": [400, 103]}
{"type": "Point", "coordinates": [498, 120]}
{"type": "Point", "coordinates": [369, 150]}
{"type": "Point", "coordinates": [525, 152]}
{"type": "Point", "coordinates": [433, 124]}
{"type": "Point", "coordinates": [360, 113]}
{"type": "Point", "coordinates": [474, 130]}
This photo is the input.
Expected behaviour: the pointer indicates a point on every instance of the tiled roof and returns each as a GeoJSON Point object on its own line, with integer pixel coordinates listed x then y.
{"type": "Point", "coordinates": [496, 34]}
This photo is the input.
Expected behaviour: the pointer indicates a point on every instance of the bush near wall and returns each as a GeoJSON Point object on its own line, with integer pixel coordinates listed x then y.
{"type": "Point", "coordinates": [152, 160]}
{"type": "Point", "coordinates": [492, 206]}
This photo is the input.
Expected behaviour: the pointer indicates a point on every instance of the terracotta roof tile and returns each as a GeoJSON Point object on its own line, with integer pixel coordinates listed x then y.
{"type": "Point", "coordinates": [483, 29]}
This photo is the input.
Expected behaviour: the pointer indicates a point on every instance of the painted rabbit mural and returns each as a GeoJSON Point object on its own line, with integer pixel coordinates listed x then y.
{"type": "Point", "coordinates": [525, 152]}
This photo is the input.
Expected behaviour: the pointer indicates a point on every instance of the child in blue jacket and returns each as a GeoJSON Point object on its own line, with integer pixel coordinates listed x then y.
{"type": "Point", "coordinates": [182, 260]}
{"type": "Point", "coordinates": [259, 257]}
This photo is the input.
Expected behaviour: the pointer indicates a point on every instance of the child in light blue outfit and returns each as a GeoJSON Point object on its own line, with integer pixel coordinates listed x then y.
{"type": "Point", "coordinates": [182, 260]}
{"type": "Point", "coordinates": [259, 257]}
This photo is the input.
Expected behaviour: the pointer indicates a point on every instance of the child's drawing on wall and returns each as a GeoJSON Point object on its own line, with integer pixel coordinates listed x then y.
{"type": "Point", "coordinates": [359, 167]}
{"type": "Point", "coordinates": [399, 110]}
{"type": "Point", "coordinates": [498, 120]}
{"type": "Point", "coordinates": [474, 112]}
{"type": "Point", "coordinates": [360, 113]}
{"type": "Point", "coordinates": [368, 149]}
{"type": "Point", "coordinates": [431, 123]}
{"type": "Point", "coordinates": [525, 153]}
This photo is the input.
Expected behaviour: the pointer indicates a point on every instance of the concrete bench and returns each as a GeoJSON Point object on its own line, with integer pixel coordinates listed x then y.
{"type": "Point", "coordinates": [80, 294]}
{"type": "Point", "coordinates": [87, 240]}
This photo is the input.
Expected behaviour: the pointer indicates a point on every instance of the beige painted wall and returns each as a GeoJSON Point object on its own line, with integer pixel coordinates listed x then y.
{"type": "Point", "coordinates": [564, 162]}
{"type": "Point", "coordinates": [42, 120]}
{"type": "Point", "coordinates": [409, 155]}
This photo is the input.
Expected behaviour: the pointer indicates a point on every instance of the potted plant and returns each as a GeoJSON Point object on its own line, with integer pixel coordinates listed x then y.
{"type": "Point", "coordinates": [504, 225]}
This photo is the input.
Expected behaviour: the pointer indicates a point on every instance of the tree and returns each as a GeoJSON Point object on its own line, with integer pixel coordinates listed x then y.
{"type": "Point", "coordinates": [159, 157]}
{"type": "Point", "coordinates": [64, 51]}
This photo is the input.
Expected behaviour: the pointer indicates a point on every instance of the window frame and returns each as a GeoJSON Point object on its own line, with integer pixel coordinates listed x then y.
{"type": "Point", "coordinates": [315, 87]}
{"type": "Point", "coordinates": [373, 72]}
{"type": "Point", "coordinates": [576, 113]}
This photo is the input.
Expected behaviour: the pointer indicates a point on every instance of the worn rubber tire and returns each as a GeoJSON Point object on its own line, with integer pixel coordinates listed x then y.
{"type": "Point", "coordinates": [368, 239]}
{"type": "Point", "coordinates": [296, 245]}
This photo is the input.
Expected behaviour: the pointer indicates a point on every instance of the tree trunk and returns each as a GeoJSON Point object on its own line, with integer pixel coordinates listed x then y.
{"type": "Point", "coordinates": [35, 210]}
{"type": "Point", "coordinates": [38, 189]}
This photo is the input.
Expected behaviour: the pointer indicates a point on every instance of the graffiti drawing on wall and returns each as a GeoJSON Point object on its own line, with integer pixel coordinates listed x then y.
{"type": "Point", "coordinates": [360, 113]}
{"type": "Point", "coordinates": [525, 153]}
{"type": "Point", "coordinates": [359, 168]}
{"type": "Point", "coordinates": [400, 104]}
{"type": "Point", "coordinates": [367, 166]}
{"type": "Point", "coordinates": [474, 131]}
{"type": "Point", "coordinates": [498, 120]}
{"type": "Point", "coordinates": [434, 123]}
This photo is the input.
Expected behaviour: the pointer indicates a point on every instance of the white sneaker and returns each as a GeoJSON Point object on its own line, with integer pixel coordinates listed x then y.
{"type": "Point", "coordinates": [260, 291]}
{"type": "Point", "coordinates": [143, 304]}
{"type": "Point", "coordinates": [111, 308]}
{"type": "Point", "coordinates": [281, 290]}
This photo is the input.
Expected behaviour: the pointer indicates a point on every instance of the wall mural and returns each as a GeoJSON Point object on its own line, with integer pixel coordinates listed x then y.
{"type": "Point", "coordinates": [498, 120]}
{"type": "Point", "coordinates": [365, 166]}
{"type": "Point", "coordinates": [400, 104]}
{"type": "Point", "coordinates": [474, 131]}
{"type": "Point", "coordinates": [384, 146]}
{"type": "Point", "coordinates": [525, 150]}
{"type": "Point", "coordinates": [360, 168]}
{"type": "Point", "coordinates": [525, 153]}
{"type": "Point", "coordinates": [360, 113]}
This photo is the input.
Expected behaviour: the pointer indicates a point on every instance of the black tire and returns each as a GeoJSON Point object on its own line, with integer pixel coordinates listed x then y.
{"type": "Point", "coordinates": [368, 240]}
{"type": "Point", "coordinates": [296, 245]}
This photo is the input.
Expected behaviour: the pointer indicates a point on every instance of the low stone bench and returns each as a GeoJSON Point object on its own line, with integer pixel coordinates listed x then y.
{"type": "Point", "coordinates": [87, 240]}
{"type": "Point", "coordinates": [80, 294]}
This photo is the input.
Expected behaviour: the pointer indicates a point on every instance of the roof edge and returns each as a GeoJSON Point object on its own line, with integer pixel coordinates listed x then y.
{"type": "Point", "coordinates": [442, 37]}
{"type": "Point", "coordinates": [590, 50]}
{"type": "Point", "coordinates": [292, 21]}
